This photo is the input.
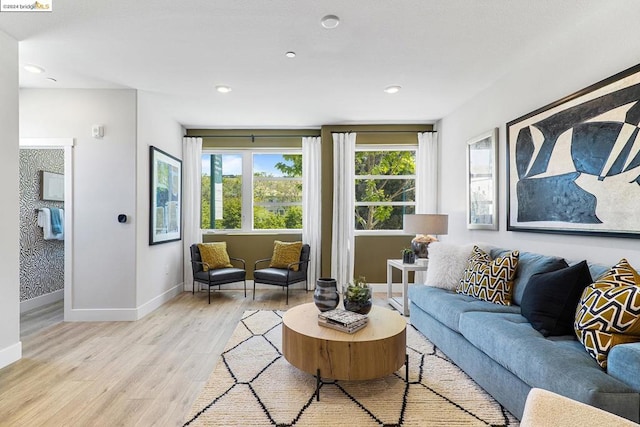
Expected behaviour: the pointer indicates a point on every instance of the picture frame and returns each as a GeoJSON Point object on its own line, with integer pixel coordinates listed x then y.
{"type": "Point", "coordinates": [165, 197]}
{"type": "Point", "coordinates": [482, 181]}
{"type": "Point", "coordinates": [51, 186]}
{"type": "Point", "coordinates": [573, 166]}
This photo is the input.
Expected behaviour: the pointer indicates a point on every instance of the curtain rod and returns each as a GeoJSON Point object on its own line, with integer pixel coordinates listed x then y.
{"type": "Point", "coordinates": [252, 136]}
{"type": "Point", "coordinates": [388, 131]}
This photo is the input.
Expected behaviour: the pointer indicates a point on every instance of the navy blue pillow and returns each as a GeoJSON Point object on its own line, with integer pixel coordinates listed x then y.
{"type": "Point", "coordinates": [550, 299]}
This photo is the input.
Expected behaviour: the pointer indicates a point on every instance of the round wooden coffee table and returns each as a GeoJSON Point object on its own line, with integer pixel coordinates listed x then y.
{"type": "Point", "coordinates": [375, 351]}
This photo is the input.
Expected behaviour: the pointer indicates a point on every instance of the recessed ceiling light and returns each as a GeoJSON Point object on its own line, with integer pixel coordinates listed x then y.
{"type": "Point", "coordinates": [51, 79]}
{"type": "Point", "coordinates": [290, 54]}
{"type": "Point", "coordinates": [330, 21]}
{"type": "Point", "coordinates": [392, 89]}
{"type": "Point", "coordinates": [34, 69]}
{"type": "Point", "coordinates": [223, 88]}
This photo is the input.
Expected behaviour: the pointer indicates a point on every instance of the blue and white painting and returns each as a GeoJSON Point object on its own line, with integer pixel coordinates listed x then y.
{"type": "Point", "coordinates": [574, 166]}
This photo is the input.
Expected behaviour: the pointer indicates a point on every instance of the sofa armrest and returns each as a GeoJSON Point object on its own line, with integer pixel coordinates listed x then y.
{"type": "Point", "coordinates": [623, 363]}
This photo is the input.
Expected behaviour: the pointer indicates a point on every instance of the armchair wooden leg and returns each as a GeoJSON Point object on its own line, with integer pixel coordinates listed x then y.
{"type": "Point", "coordinates": [254, 289]}
{"type": "Point", "coordinates": [287, 295]}
{"type": "Point", "coordinates": [245, 288]}
{"type": "Point", "coordinates": [209, 294]}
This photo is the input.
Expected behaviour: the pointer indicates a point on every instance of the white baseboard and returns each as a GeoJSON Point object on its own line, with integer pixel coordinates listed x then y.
{"type": "Point", "coordinates": [122, 314]}
{"type": "Point", "coordinates": [10, 354]}
{"type": "Point", "coordinates": [156, 302]}
{"type": "Point", "coordinates": [42, 300]}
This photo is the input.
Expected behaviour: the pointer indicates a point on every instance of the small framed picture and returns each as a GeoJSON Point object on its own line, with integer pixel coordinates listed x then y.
{"type": "Point", "coordinates": [165, 213]}
{"type": "Point", "coordinates": [482, 181]}
{"type": "Point", "coordinates": [51, 186]}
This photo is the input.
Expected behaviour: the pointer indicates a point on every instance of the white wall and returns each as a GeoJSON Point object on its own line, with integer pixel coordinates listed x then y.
{"type": "Point", "coordinates": [587, 53]}
{"type": "Point", "coordinates": [104, 185]}
{"type": "Point", "coordinates": [159, 274]}
{"type": "Point", "coordinates": [10, 346]}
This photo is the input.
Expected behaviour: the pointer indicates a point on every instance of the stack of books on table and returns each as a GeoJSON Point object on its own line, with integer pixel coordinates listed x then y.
{"type": "Point", "coordinates": [343, 320]}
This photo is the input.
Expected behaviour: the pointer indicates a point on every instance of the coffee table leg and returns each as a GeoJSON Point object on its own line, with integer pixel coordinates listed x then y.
{"type": "Point", "coordinates": [406, 368]}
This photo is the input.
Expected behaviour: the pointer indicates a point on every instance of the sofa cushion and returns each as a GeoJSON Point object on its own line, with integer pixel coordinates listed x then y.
{"type": "Point", "coordinates": [558, 364]}
{"type": "Point", "coordinates": [446, 306]}
{"type": "Point", "coordinates": [529, 263]}
{"type": "Point", "coordinates": [550, 299]}
{"type": "Point", "coordinates": [623, 362]}
{"type": "Point", "coordinates": [446, 264]}
{"type": "Point", "coordinates": [489, 279]}
{"type": "Point", "coordinates": [285, 253]}
{"type": "Point", "coordinates": [609, 311]}
{"type": "Point", "coordinates": [214, 255]}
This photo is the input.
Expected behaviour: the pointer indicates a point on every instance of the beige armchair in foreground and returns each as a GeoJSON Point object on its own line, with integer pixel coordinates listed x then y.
{"type": "Point", "coordinates": [546, 409]}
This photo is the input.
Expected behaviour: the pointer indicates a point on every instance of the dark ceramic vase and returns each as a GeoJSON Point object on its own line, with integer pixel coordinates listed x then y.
{"type": "Point", "coordinates": [326, 296]}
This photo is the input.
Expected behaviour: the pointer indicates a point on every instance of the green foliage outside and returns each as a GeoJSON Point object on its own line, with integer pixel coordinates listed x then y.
{"type": "Point", "coordinates": [385, 163]}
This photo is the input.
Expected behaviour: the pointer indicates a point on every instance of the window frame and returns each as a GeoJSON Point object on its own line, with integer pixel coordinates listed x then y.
{"type": "Point", "coordinates": [246, 223]}
{"type": "Point", "coordinates": [382, 147]}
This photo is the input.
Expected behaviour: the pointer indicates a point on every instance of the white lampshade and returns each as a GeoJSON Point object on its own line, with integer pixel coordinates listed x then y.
{"type": "Point", "coordinates": [426, 224]}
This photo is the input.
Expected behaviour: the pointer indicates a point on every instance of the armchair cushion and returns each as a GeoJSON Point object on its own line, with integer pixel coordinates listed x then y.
{"type": "Point", "coordinates": [285, 253]}
{"type": "Point", "coordinates": [214, 255]}
{"type": "Point", "coordinates": [221, 275]}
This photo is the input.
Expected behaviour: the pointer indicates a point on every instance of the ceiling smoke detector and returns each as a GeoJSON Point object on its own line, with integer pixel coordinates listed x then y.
{"type": "Point", "coordinates": [330, 21]}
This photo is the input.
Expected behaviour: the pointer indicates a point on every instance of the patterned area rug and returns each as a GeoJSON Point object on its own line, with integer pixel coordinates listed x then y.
{"type": "Point", "coordinates": [254, 385]}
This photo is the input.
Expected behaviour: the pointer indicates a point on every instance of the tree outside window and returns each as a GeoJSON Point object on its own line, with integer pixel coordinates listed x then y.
{"type": "Point", "coordinates": [384, 188]}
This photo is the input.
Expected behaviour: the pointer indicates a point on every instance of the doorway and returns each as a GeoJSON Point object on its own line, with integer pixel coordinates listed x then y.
{"type": "Point", "coordinates": [45, 257]}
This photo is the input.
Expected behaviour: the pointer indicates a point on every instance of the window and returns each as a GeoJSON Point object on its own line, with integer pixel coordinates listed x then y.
{"type": "Point", "coordinates": [384, 187]}
{"type": "Point", "coordinates": [252, 190]}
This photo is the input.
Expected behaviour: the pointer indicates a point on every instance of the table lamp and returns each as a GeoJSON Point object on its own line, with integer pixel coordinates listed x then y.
{"type": "Point", "coordinates": [424, 226]}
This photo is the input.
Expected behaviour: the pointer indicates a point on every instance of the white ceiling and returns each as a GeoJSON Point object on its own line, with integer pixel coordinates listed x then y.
{"type": "Point", "coordinates": [442, 53]}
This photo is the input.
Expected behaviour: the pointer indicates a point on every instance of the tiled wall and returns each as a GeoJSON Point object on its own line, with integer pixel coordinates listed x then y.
{"type": "Point", "coordinates": [41, 261]}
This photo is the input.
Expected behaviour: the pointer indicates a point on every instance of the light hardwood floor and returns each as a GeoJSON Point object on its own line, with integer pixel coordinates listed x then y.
{"type": "Point", "coordinates": [142, 373]}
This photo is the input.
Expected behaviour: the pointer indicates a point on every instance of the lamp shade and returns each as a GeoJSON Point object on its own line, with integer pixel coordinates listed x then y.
{"type": "Point", "coordinates": [426, 224]}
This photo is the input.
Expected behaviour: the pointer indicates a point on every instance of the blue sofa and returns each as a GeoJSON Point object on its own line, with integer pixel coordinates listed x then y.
{"type": "Point", "coordinates": [506, 356]}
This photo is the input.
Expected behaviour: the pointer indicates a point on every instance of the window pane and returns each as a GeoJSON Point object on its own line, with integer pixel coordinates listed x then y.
{"type": "Point", "coordinates": [385, 163]}
{"type": "Point", "coordinates": [381, 217]}
{"type": "Point", "coordinates": [277, 191]}
{"type": "Point", "coordinates": [389, 190]}
{"type": "Point", "coordinates": [222, 195]}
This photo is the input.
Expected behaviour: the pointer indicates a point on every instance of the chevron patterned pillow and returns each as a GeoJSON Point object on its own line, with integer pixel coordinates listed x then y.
{"type": "Point", "coordinates": [487, 279]}
{"type": "Point", "coordinates": [609, 312]}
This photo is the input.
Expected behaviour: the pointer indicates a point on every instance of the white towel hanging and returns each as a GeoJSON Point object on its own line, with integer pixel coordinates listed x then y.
{"type": "Point", "coordinates": [44, 221]}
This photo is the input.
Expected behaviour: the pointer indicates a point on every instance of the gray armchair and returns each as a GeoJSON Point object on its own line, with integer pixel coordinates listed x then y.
{"type": "Point", "coordinates": [218, 276]}
{"type": "Point", "coordinates": [282, 276]}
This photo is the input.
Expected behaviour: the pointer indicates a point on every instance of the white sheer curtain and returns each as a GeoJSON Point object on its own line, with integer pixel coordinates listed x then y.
{"type": "Point", "coordinates": [342, 242]}
{"type": "Point", "coordinates": [192, 167]}
{"type": "Point", "coordinates": [427, 173]}
{"type": "Point", "coordinates": [426, 181]}
{"type": "Point", "coordinates": [311, 200]}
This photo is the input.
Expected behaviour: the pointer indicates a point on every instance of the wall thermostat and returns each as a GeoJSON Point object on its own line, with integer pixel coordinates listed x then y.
{"type": "Point", "coordinates": [122, 218]}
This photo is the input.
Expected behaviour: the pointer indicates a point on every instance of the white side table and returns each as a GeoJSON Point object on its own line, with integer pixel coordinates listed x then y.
{"type": "Point", "coordinates": [402, 305]}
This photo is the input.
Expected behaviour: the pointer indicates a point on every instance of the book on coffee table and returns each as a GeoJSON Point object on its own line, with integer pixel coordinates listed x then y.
{"type": "Point", "coordinates": [342, 320]}
{"type": "Point", "coordinates": [342, 317]}
{"type": "Point", "coordinates": [348, 329]}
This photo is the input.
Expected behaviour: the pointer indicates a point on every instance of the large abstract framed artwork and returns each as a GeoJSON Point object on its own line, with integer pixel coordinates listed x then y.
{"type": "Point", "coordinates": [165, 216]}
{"type": "Point", "coordinates": [574, 166]}
{"type": "Point", "coordinates": [482, 181]}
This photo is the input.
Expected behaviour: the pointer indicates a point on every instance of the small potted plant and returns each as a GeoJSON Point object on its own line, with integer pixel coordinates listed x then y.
{"type": "Point", "coordinates": [357, 297]}
{"type": "Point", "coordinates": [408, 256]}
